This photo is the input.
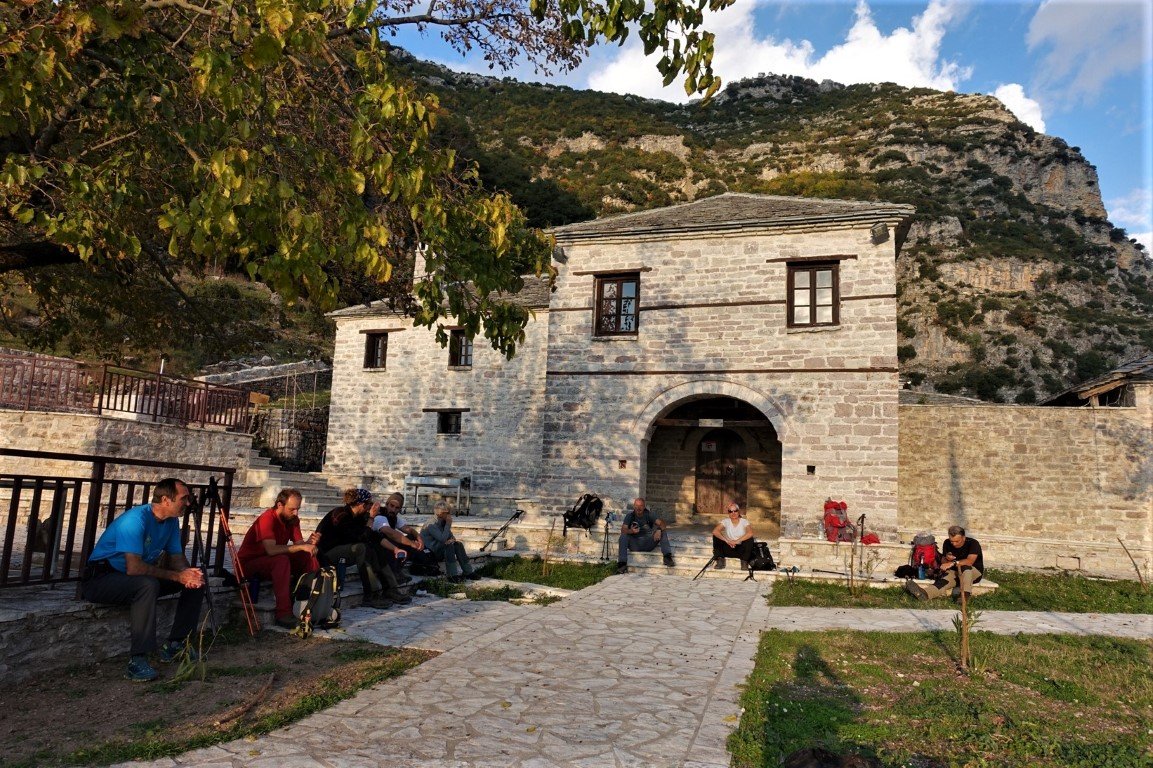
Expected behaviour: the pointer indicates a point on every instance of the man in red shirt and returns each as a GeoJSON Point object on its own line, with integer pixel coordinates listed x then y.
{"type": "Point", "coordinates": [275, 549]}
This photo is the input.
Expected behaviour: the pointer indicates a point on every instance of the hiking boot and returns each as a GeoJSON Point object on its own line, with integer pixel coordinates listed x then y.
{"type": "Point", "coordinates": [403, 578]}
{"type": "Point", "coordinates": [622, 568]}
{"type": "Point", "coordinates": [140, 671]}
{"type": "Point", "coordinates": [400, 598]}
{"type": "Point", "coordinates": [744, 565]}
{"type": "Point", "coordinates": [669, 562]}
{"type": "Point", "coordinates": [719, 564]}
{"type": "Point", "coordinates": [916, 590]}
{"type": "Point", "coordinates": [287, 622]}
{"type": "Point", "coordinates": [474, 576]}
{"type": "Point", "coordinates": [174, 650]}
{"type": "Point", "coordinates": [380, 602]}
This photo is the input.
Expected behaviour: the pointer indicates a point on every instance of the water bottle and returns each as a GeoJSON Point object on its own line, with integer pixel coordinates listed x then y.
{"type": "Point", "coordinates": [921, 571]}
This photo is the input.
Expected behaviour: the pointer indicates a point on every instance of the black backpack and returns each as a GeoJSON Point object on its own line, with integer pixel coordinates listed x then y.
{"type": "Point", "coordinates": [584, 513]}
{"type": "Point", "coordinates": [762, 557]}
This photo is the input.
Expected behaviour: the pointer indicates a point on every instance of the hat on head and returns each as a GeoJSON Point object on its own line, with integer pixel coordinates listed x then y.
{"type": "Point", "coordinates": [363, 496]}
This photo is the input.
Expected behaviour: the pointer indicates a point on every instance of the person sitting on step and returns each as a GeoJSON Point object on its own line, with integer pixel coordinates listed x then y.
{"type": "Point", "coordinates": [439, 539]}
{"type": "Point", "coordinates": [642, 531]}
{"type": "Point", "coordinates": [962, 564]}
{"type": "Point", "coordinates": [275, 548]}
{"type": "Point", "coordinates": [345, 535]}
{"type": "Point", "coordinates": [733, 537]}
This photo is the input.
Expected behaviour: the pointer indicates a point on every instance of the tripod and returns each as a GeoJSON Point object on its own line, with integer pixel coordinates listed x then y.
{"type": "Point", "coordinates": [515, 516]}
{"type": "Point", "coordinates": [605, 554]}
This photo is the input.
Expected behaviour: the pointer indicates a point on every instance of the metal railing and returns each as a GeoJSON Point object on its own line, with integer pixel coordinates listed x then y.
{"type": "Point", "coordinates": [50, 522]}
{"type": "Point", "coordinates": [164, 398]}
{"type": "Point", "coordinates": [39, 382]}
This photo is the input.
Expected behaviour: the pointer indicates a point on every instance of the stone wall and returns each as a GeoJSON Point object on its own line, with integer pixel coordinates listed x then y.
{"type": "Point", "coordinates": [383, 424]}
{"type": "Point", "coordinates": [95, 435]}
{"type": "Point", "coordinates": [712, 324]}
{"type": "Point", "coordinates": [1038, 487]}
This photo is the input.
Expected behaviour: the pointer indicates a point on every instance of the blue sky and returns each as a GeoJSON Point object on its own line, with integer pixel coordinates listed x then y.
{"type": "Point", "coordinates": [1078, 69]}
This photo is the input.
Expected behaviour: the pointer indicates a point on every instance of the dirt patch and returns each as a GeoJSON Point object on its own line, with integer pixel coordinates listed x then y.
{"type": "Point", "coordinates": [91, 715]}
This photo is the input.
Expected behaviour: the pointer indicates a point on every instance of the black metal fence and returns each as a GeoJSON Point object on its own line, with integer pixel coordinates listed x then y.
{"type": "Point", "coordinates": [51, 521]}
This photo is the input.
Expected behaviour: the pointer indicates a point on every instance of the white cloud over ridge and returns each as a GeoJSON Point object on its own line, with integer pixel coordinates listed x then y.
{"type": "Point", "coordinates": [1134, 212]}
{"type": "Point", "coordinates": [1027, 110]}
{"type": "Point", "coordinates": [906, 56]}
{"type": "Point", "coordinates": [1086, 44]}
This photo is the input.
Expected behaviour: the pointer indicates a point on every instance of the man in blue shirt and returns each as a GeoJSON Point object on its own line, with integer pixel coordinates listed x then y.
{"type": "Point", "coordinates": [139, 558]}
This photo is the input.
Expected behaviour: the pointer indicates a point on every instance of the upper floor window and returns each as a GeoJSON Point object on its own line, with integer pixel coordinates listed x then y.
{"type": "Point", "coordinates": [375, 349]}
{"type": "Point", "coordinates": [814, 294]}
{"type": "Point", "coordinates": [617, 304]}
{"type": "Point", "coordinates": [459, 349]}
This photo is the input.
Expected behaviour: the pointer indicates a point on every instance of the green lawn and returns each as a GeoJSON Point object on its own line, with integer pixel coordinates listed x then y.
{"type": "Point", "coordinates": [562, 575]}
{"type": "Point", "coordinates": [898, 698]}
{"type": "Point", "coordinates": [1050, 591]}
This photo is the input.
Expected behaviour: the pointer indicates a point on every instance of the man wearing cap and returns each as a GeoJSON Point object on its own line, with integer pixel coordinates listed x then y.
{"type": "Point", "coordinates": [275, 549]}
{"type": "Point", "coordinates": [962, 563]}
{"type": "Point", "coordinates": [345, 535]}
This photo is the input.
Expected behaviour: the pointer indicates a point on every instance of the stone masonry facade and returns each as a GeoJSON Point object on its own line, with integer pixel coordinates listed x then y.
{"type": "Point", "coordinates": [575, 412]}
{"type": "Point", "coordinates": [1039, 487]}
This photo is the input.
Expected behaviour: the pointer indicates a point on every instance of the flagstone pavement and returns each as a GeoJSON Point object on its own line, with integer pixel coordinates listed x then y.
{"type": "Point", "coordinates": [639, 670]}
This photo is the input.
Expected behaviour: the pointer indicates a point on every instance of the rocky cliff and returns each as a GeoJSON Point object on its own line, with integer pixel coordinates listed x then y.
{"type": "Point", "coordinates": [1013, 285]}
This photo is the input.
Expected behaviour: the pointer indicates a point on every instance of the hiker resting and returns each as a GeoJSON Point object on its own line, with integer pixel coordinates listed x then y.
{"type": "Point", "coordinates": [345, 535]}
{"type": "Point", "coordinates": [733, 537]}
{"type": "Point", "coordinates": [961, 563]}
{"type": "Point", "coordinates": [138, 559]}
{"type": "Point", "coordinates": [439, 539]}
{"type": "Point", "coordinates": [642, 532]}
{"type": "Point", "coordinates": [275, 548]}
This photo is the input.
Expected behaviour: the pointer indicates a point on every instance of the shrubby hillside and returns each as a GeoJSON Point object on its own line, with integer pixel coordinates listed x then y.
{"type": "Point", "coordinates": [1013, 285]}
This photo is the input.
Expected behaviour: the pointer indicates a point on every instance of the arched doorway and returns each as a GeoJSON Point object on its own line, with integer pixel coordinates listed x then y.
{"type": "Point", "coordinates": [705, 451]}
{"type": "Point", "coordinates": [722, 472]}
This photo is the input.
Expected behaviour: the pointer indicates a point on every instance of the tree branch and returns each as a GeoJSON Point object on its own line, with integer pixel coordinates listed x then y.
{"type": "Point", "coordinates": [424, 18]}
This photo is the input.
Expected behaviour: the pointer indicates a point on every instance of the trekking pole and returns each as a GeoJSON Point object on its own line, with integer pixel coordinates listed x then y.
{"type": "Point", "coordinates": [245, 597]}
{"type": "Point", "coordinates": [515, 516]}
{"type": "Point", "coordinates": [605, 542]}
{"type": "Point", "coordinates": [701, 573]}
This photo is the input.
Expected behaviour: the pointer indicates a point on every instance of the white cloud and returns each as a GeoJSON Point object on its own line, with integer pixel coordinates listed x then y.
{"type": "Point", "coordinates": [1027, 110]}
{"type": "Point", "coordinates": [1086, 44]}
{"type": "Point", "coordinates": [906, 56]}
{"type": "Point", "coordinates": [1134, 212]}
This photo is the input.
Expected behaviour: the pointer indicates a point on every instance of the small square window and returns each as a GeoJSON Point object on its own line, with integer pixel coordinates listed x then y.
{"type": "Point", "coordinates": [813, 294]}
{"type": "Point", "coordinates": [617, 305]}
{"type": "Point", "coordinates": [448, 423]}
{"type": "Point", "coordinates": [375, 350]}
{"type": "Point", "coordinates": [459, 349]}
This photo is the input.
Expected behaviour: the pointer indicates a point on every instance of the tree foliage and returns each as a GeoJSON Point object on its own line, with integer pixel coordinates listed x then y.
{"type": "Point", "coordinates": [276, 137]}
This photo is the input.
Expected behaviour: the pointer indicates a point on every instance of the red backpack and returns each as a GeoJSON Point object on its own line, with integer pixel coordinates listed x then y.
{"type": "Point", "coordinates": [925, 554]}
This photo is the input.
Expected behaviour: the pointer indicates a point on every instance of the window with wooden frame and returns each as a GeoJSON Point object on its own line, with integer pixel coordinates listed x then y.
{"type": "Point", "coordinates": [459, 349]}
{"type": "Point", "coordinates": [814, 294]}
{"type": "Point", "coordinates": [448, 422]}
{"type": "Point", "coordinates": [375, 349]}
{"type": "Point", "coordinates": [617, 304]}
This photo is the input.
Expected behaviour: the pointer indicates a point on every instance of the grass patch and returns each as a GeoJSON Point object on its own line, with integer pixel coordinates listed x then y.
{"type": "Point", "coordinates": [1017, 592]}
{"type": "Point", "coordinates": [897, 698]}
{"type": "Point", "coordinates": [445, 588]}
{"type": "Point", "coordinates": [563, 575]}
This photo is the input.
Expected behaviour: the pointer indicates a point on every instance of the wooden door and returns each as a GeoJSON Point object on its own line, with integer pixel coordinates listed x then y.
{"type": "Point", "coordinates": [722, 471]}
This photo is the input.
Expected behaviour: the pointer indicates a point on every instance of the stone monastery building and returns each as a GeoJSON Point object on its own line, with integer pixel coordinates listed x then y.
{"type": "Point", "coordinates": [740, 347]}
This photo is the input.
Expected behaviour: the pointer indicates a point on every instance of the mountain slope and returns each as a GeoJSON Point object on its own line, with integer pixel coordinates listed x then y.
{"type": "Point", "coordinates": [1013, 285]}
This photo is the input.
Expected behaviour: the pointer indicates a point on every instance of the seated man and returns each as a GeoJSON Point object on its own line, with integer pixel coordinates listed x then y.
{"type": "Point", "coordinates": [442, 543]}
{"type": "Point", "coordinates": [962, 564]}
{"type": "Point", "coordinates": [406, 543]}
{"type": "Point", "coordinates": [733, 537]}
{"type": "Point", "coordinates": [275, 549]}
{"type": "Point", "coordinates": [344, 534]}
{"type": "Point", "coordinates": [138, 558]}
{"type": "Point", "coordinates": [642, 532]}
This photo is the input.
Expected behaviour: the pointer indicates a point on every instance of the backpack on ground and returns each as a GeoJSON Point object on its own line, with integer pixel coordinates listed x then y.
{"type": "Point", "coordinates": [584, 513]}
{"type": "Point", "coordinates": [836, 522]}
{"type": "Point", "coordinates": [316, 601]}
{"type": "Point", "coordinates": [925, 556]}
{"type": "Point", "coordinates": [762, 559]}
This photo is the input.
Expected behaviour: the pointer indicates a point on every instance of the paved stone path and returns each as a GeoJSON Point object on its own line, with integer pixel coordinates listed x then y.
{"type": "Point", "coordinates": [637, 671]}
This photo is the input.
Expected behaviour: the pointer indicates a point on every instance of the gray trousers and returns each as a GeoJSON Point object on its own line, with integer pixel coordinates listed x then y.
{"type": "Point", "coordinates": [141, 593]}
{"type": "Point", "coordinates": [453, 554]}
{"type": "Point", "coordinates": [641, 542]}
